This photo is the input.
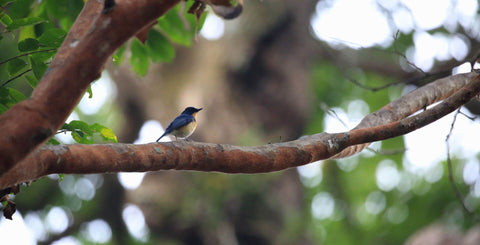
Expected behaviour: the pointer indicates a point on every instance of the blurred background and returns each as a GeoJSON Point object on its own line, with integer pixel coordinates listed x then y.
{"type": "Point", "coordinates": [281, 70]}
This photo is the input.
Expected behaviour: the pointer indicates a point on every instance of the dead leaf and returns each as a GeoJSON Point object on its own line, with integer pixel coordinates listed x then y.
{"type": "Point", "coordinates": [9, 210]}
{"type": "Point", "coordinates": [226, 9]}
{"type": "Point", "coordinates": [142, 34]}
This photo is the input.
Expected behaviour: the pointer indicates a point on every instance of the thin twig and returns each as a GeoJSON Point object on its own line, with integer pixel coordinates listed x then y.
{"type": "Point", "coordinates": [19, 75]}
{"type": "Point", "coordinates": [395, 38]}
{"type": "Point", "coordinates": [426, 76]}
{"type": "Point", "coordinates": [25, 54]}
{"type": "Point", "coordinates": [453, 124]}
{"type": "Point", "coordinates": [15, 77]}
{"type": "Point", "coordinates": [467, 116]}
{"type": "Point", "coordinates": [332, 113]}
{"type": "Point", "coordinates": [387, 152]}
{"type": "Point", "coordinates": [457, 192]}
{"type": "Point", "coordinates": [345, 73]}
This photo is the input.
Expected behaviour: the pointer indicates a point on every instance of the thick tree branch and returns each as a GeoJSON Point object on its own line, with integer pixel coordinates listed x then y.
{"type": "Point", "coordinates": [79, 61]}
{"type": "Point", "coordinates": [182, 155]}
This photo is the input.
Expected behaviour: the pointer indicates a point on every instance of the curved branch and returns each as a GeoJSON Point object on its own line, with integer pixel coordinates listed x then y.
{"type": "Point", "coordinates": [182, 155]}
{"type": "Point", "coordinates": [79, 61]}
{"type": "Point", "coordinates": [409, 104]}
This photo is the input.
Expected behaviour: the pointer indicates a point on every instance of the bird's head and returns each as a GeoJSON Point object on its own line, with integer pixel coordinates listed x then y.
{"type": "Point", "coordinates": [191, 110]}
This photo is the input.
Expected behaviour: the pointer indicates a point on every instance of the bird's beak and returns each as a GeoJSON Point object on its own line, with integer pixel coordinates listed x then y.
{"type": "Point", "coordinates": [200, 109]}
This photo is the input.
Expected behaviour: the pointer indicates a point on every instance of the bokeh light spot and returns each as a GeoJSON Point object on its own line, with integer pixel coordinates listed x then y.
{"type": "Point", "coordinates": [323, 205]}
{"type": "Point", "coordinates": [376, 202]}
{"type": "Point", "coordinates": [84, 189]}
{"type": "Point", "coordinates": [311, 174]}
{"type": "Point", "coordinates": [56, 220]}
{"type": "Point", "coordinates": [130, 181]}
{"type": "Point", "coordinates": [213, 28]}
{"type": "Point", "coordinates": [135, 221]}
{"type": "Point", "coordinates": [98, 231]}
{"type": "Point", "coordinates": [387, 175]}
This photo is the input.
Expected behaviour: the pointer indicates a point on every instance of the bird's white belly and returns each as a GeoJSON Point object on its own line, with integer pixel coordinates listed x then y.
{"type": "Point", "coordinates": [185, 131]}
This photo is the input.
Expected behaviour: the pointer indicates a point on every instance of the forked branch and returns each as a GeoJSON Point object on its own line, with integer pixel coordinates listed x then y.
{"type": "Point", "coordinates": [90, 42]}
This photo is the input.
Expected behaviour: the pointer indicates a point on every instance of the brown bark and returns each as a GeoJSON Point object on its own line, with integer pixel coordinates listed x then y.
{"type": "Point", "coordinates": [90, 42]}
{"type": "Point", "coordinates": [181, 155]}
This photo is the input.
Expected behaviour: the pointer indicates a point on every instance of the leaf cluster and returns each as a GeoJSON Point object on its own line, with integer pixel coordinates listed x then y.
{"type": "Point", "coordinates": [174, 28]}
{"type": "Point", "coordinates": [84, 133]}
{"type": "Point", "coordinates": [34, 30]}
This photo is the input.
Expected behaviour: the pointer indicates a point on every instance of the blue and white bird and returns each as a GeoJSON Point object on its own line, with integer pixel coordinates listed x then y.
{"type": "Point", "coordinates": [184, 125]}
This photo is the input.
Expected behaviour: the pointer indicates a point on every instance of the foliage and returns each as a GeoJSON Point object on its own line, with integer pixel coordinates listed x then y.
{"type": "Point", "coordinates": [85, 134]}
{"type": "Point", "coordinates": [33, 31]}
{"type": "Point", "coordinates": [32, 37]}
{"type": "Point", "coordinates": [172, 28]}
{"type": "Point", "coordinates": [37, 30]}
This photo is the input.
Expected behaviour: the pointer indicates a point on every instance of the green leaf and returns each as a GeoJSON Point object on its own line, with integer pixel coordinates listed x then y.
{"type": "Point", "coordinates": [64, 11]}
{"type": "Point", "coordinates": [17, 23]}
{"type": "Point", "coordinates": [5, 100]}
{"type": "Point", "coordinates": [16, 95]}
{"type": "Point", "coordinates": [27, 32]}
{"type": "Point", "coordinates": [116, 59]}
{"type": "Point", "coordinates": [43, 56]}
{"type": "Point", "coordinates": [139, 58]}
{"type": "Point", "coordinates": [118, 56]}
{"type": "Point", "coordinates": [15, 65]}
{"type": "Point", "coordinates": [38, 66]}
{"type": "Point", "coordinates": [3, 109]}
{"type": "Point", "coordinates": [3, 92]}
{"type": "Point", "coordinates": [81, 131]}
{"type": "Point", "coordinates": [53, 141]}
{"type": "Point", "coordinates": [159, 48]}
{"type": "Point", "coordinates": [20, 8]}
{"type": "Point", "coordinates": [84, 133]}
{"type": "Point", "coordinates": [61, 177]}
{"type": "Point", "coordinates": [81, 138]}
{"type": "Point", "coordinates": [90, 92]}
{"type": "Point", "coordinates": [79, 125]}
{"type": "Point", "coordinates": [5, 2]}
{"type": "Point", "coordinates": [178, 31]}
{"type": "Point", "coordinates": [52, 37]}
{"type": "Point", "coordinates": [106, 133]}
{"type": "Point", "coordinates": [28, 44]}
{"type": "Point", "coordinates": [5, 19]}
{"type": "Point", "coordinates": [32, 81]}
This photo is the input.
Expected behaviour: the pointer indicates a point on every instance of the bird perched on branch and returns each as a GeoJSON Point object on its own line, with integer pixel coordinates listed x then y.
{"type": "Point", "coordinates": [184, 125]}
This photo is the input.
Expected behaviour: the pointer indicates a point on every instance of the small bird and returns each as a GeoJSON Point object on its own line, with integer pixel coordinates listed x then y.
{"type": "Point", "coordinates": [184, 125]}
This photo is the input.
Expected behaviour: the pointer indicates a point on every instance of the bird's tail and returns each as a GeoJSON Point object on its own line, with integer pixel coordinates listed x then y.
{"type": "Point", "coordinates": [162, 136]}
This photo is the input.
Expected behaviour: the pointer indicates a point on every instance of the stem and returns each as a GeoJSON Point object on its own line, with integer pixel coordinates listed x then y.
{"type": "Point", "coordinates": [25, 54]}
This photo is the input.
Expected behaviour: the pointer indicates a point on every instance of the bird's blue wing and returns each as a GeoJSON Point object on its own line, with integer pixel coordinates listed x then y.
{"type": "Point", "coordinates": [179, 122]}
